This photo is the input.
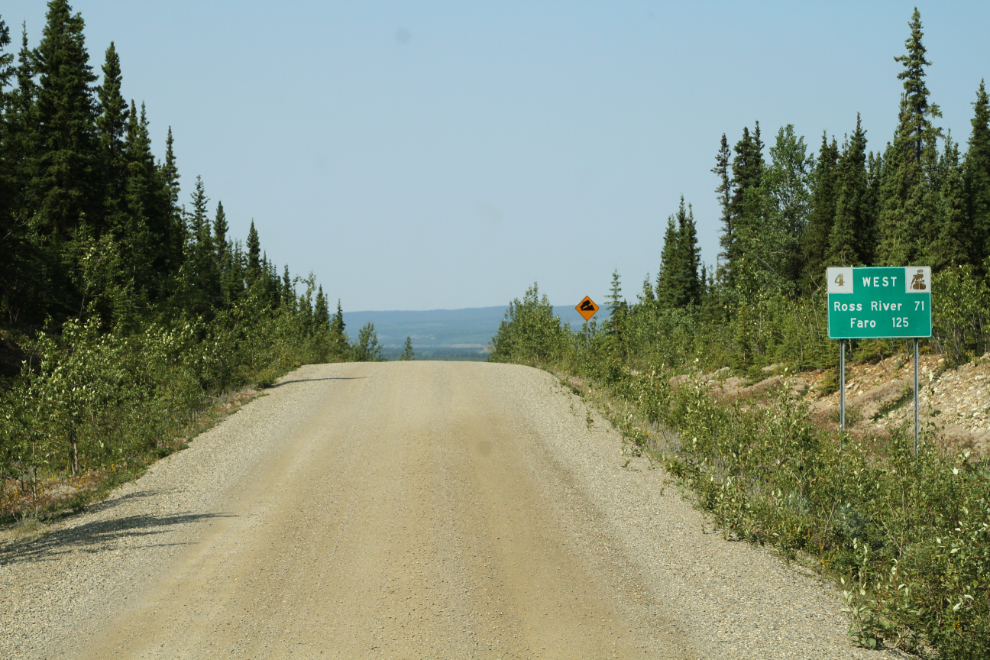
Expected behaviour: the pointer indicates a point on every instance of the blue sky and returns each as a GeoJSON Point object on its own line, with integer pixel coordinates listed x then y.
{"type": "Point", "coordinates": [423, 155]}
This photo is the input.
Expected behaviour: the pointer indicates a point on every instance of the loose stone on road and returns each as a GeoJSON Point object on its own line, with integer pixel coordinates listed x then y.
{"type": "Point", "coordinates": [406, 510]}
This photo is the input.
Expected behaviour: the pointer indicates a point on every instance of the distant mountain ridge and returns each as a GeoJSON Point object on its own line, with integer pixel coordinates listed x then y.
{"type": "Point", "coordinates": [470, 329]}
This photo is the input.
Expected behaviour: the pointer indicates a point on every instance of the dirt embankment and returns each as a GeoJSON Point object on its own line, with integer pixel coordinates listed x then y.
{"type": "Point", "coordinates": [954, 403]}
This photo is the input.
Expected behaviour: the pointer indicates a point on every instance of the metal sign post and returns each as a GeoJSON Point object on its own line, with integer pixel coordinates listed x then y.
{"type": "Point", "coordinates": [879, 303]}
{"type": "Point", "coordinates": [842, 384]}
{"type": "Point", "coordinates": [587, 308]}
{"type": "Point", "coordinates": [915, 397]}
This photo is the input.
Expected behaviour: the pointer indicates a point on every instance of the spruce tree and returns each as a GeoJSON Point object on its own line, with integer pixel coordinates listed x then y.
{"type": "Point", "coordinates": [6, 61]}
{"type": "Point", "coordinates": [338, 338]}
{"type": "Point", "coordinates": [137, 235]}
{"type": "Point", "coordinates": [112, 125]}
{"type": "Point", "coordinates": [62, 184]}
{"type": "Point", "coordinates": [976, 179]}
{"type": "Point", "coordinates": [203, 277]}
{"type": "Point", "coordinates": [724, 192]}
{"type": "Point", "coordinates": [253, 254]}
{"type": "Point", "coordinates": [7, 243]}
{"type": "Point", "coordinates": [850, 240]}
{"type": "Point", "coordinates": [908, 205]}
{"type": "Point", "coordinates": [821, 217]}
{"type": "Point", "coordinates": [745, 205]}
{"type": "Point", "coordinates": [173, 247]}
{"type": "Point", "coordinates": [286, 293]}
{"type": "Point", "coordinates": [6, 164]}
{"type": "Point", "coordinates": [22, 280]}
{"type": "Point", "coordinates": [686, 281]}
{"type": "Point", "coordinates": [407, 350]}
{"type": "Point", "coordinates": [222, 254]}
{"type": "Point", "coordinates": [61, 191]}
{"type": "Point", "coordinates": [667, 295]}
{"type": "Point", "coordinates": [321, 314]}
{"type": "Point", "coordinates": [952, 246]}
{"type": "Point", "coordinates": [648, 297]}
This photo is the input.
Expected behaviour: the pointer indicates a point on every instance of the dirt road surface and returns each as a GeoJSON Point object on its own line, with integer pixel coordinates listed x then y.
{"type": "Point", "coordinates": [406, 510]}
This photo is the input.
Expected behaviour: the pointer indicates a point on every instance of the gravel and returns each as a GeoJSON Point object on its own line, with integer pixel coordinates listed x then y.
{"type": "Point", "coordinates": [628, 524]}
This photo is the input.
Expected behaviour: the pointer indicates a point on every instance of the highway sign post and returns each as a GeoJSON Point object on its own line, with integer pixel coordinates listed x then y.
{"type": "Point", "coordinates": [586, 308]}
{"type": "Point", "coordinates": [879, 303]}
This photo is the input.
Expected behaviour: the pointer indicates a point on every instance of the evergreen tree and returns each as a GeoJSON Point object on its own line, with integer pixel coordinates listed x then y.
{"type": "Point", "coordinates": [679, 283]}
{"type": "Point", "coordinates": [253, 254]}
{"type": "Point", "coordinates": [338, 338]}
{"type": "Point", "coordinates": [407, 350]}
{"type": "Point", "coordinates": [111, 126]}
{"type": "Point", "coordinates": [648, 297]}
{"type": "Point", "coordinates": [908, 198]}
{"type": "Point", "coordinates": [220, 228]}
{"type": "Point", "coordinates": [687, 280]}
{"type": "Point", "coordinates": [367, 348]}
{"type": "Point", "coordinates": [321, 315]}
{"type": "Point", "coordinates": [724, 191]}
{"type": "Point", "coordinates": [7, 166]}
{"type": "Point", "coordinates": [61, 190]}
{"type": "Point", "coordinates": [745, 205]}
{"type": "Point", "coordinates": [667, 296]}
{"type": "Point", "coordinates": [287, 294]}
{"type": "Point", "coordinates": [172, 248]}
{"type": "Point", "coordinates": [821, 216]}
{"type": "Point", "coordinates": [203, 277]}
{"type": "Point", "coordinates": [779, 210]}
{"type": "Point", "coordinates": [137, 235]}
{"type": "Point", "coordinates": [976, 179]}
{"type": "Point", "coordinates": [222, 251]}
{"type": "Point", "coordinates": [850, 241]}
{"type": "Point", "coordinates": [22, 282]}
{"type": "Point", "coordinates": [952, 247]}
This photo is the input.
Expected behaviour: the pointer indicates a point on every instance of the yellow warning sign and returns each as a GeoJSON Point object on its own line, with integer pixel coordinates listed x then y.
{"type": "Point", "coordinates": [587, 308]}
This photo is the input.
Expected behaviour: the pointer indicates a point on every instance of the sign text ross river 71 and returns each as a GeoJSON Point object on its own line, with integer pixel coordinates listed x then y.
{"type": "Point", "coordinates": [870, 303]}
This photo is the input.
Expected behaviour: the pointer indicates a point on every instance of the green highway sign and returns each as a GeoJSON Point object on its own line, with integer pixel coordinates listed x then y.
{"type": "Point", "coordinates": [873, 303]}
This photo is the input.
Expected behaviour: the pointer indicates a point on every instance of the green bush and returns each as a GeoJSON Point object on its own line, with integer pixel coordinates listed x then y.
{"type": "Point", "coordinates": [529, 333]}
{"type": "Point", "coordinates": [89, 399]}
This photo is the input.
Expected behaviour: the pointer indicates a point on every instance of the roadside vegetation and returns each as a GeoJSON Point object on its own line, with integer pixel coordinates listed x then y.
{"type": "Point", "coordinates": [128, 321]}
{"type": "Point", "coordinates": [906, 537]}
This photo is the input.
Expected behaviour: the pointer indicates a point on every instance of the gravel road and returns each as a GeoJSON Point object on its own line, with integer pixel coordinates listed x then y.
{"type": "Point", "coordinates": [406, 510]}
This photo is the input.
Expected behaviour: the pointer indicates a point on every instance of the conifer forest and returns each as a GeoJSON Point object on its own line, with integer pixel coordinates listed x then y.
{"type": "Point", "coordinates": [126, 308]}
{"type": "Point", "coordinates": [904, 536]}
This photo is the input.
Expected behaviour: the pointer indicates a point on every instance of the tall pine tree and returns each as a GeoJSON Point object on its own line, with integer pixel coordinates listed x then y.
{"type": "Point", "coordinates": [112, 126]}
{"type": "Point", "coordinates": [976, 179]}
{"type": "Point", "coordinates": [61, 190]}
{"type": "Point", "coordinates": [952, 245]}
{"type": "Point", "coordinates": [907, 221]}
{"type": "Point", "coordinates": [851, 238]}
{"type": "Point", "coordinates": [821, 217]}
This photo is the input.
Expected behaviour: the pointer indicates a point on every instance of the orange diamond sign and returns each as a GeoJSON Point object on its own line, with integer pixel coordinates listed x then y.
{"type": "Point", "coordinates": [587, 308]}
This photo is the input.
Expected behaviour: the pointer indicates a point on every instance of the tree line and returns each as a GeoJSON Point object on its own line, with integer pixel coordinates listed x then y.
{"type": "Point", "coordinates": [91, 224]}
{"type": "Point", "coordinates": [124, 314]}
{"type": "Point", "coordinates": [918, 200]}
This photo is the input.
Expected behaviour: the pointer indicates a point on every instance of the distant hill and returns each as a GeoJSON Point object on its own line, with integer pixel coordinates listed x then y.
{"type": "Point", "coordinates": [440, 333]}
